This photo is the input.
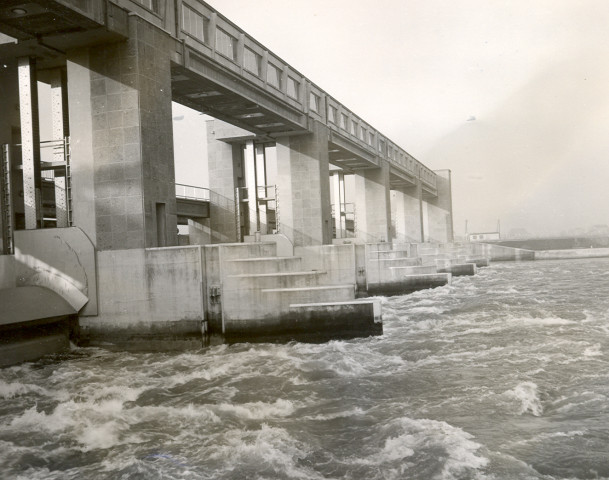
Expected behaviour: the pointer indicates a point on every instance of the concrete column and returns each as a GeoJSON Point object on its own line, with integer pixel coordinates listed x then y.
{"type": "Point", "coordinates": [336, 202]}
{"type": "Point", "coordinates": [439, 210]}
{"type": "Point", "coordinates": [373, 204]}
{"type": "Point", "coordinates": [9, 125]}
{"type": "Point", "coordinates": [59, 104]}
{"type": "Point", "coordinates": [120, 118]}
{"type": "Point", "coordinates": [249, 165]}
{"type": "Point", "coordinates": [303, 180]}
{"type": "Point", "coordinates": [398, 217]}
{"type": "Point", "coordinates": [81, 123]}
{"type": "Point", "coordinates": [30, 141]}
{"type": "Point", "coordinates": [407, 210]}
{"type": "Point", "coordinates": [225, 175]}
{"type": "Point", "coordinates": [261, 190]}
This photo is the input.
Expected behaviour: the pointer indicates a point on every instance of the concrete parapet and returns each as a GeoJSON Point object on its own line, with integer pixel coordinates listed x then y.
{"type": "Point", "coordinates": [409, 283]}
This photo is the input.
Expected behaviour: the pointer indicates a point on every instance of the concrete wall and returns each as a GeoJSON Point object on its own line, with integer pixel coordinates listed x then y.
{"type": "Point", "coordinates": [148, 291]}
{"type": "Point", "coordinates": [120, 118]}
{"type": "Point", "coordinates": [61, 259]}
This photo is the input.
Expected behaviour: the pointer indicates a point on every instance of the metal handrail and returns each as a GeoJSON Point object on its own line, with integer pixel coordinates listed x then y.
{"type": "Point", "coordinates": [191, 192]}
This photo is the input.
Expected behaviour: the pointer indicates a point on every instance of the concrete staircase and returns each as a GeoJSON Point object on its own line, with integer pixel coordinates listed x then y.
{"type": "Point", "coordinates": [262, 295]}
{"type": "Point", "coordinates": [397, 269]}
{"type": "Point", "coordinates": [457, 258]}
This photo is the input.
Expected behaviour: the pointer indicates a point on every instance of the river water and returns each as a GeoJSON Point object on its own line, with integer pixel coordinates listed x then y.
{"type": "Point", "coordinates": [504, 375]}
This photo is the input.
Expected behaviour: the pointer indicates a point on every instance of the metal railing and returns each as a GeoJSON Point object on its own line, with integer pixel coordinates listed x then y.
{"type": "Point", "coordinates": [347, 222]}
{"type": "Point", "coordinates": [190, 192]}
{"type": "Point", "coordinates": [54, 197]}
{"type": "Point", "coordinates": [260, 214]}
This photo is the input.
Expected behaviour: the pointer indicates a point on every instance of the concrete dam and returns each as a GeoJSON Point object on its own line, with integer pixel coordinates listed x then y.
{"type": "Point", "coordinates": [309, 211]}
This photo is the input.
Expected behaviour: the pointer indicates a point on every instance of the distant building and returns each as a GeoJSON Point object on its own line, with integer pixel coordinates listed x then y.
{"type": "Point", "coordinates": [483, 237]}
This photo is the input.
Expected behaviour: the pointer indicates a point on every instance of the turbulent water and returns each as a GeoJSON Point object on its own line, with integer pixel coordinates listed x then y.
{"type": "Point", "coordinates": [504, 375]}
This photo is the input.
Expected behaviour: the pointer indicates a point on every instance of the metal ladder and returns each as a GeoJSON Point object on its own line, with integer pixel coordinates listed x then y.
{"type": "Point", "coordinates": [67, 156]}
{"type": "Point", "coordinates": [6, 204]}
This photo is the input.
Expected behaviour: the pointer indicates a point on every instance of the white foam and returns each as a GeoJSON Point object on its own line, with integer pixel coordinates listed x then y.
{"type": "Point", "coordinates": [332, 416]}
{"type": "Point", "coordinates": [271, 447]}
{"type": "Point", "coordinates": [593, 351]}
{"type": "Point", "coordinates": [425, 309]}
{"type": "Point", "coordinates": [543, 322]}
{"type": "Point", "coordinates": [526, 394]}
{"type": "Point", "coordinates": [407, 437]}
{"type": "Point", "coordinates": [260, 410]}
{"type": "Point", "coordinates": [10, 390]}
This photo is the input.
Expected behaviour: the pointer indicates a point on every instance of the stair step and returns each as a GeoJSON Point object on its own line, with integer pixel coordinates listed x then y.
{"type": "Point", "coordinates": [262, 265]}
{"type": "Point", "coordinates": [233, 251]}
{"type": "Point", "coordinates": [396, 262]}
{"type": "Point", "coordinates": [414, 270]}
{"type": "Point", "coordinates": [388, 254]}
{"type": "Point", "coordinates": [257, 281]}
{"type": "Point", "coordinates": [282, 298]}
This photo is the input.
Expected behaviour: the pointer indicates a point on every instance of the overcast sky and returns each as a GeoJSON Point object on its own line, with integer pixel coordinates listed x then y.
{"type": "Point", "coordinates": [509, 95]}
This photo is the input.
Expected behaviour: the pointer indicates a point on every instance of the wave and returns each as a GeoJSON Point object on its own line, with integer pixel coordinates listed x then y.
{"type": "Point", "coordinates": [333, 416]}
{"type": "Point", "coordinates": [259, 410]}
{"type": "Point", "coordinates": [526, 394]}
{"type": "Point", "coordinates": [409, 445]}
{"type": "Point", "coordinates": [270, 451]}
{"type": "Point", "coordinates": [9, 390]}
